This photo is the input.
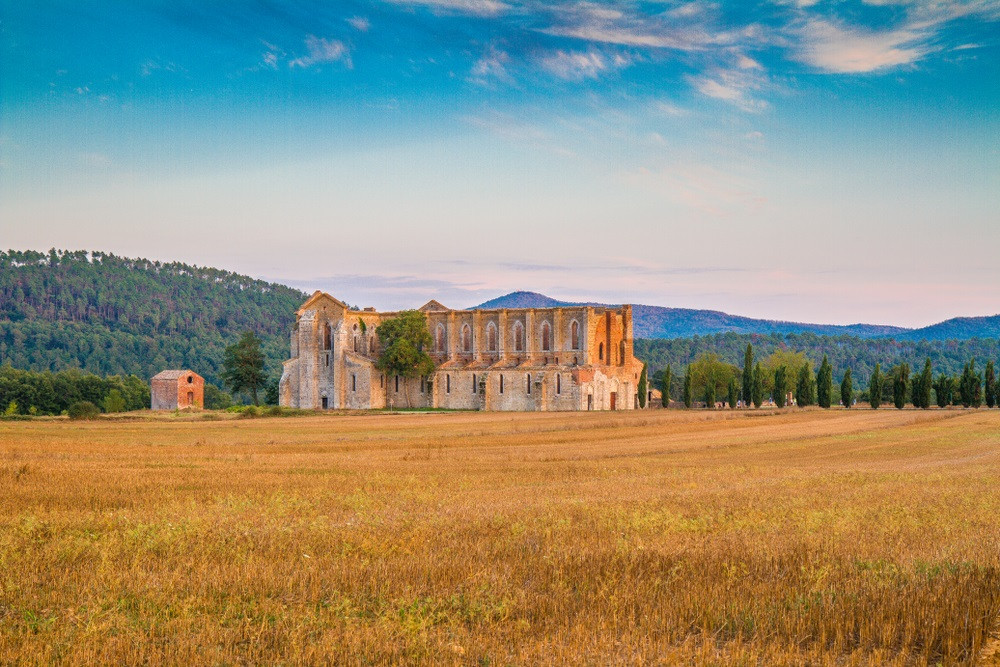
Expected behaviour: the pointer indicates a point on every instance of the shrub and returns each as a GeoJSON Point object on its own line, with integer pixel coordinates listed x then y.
{"type": "Point", "coordinates": [83, 410]}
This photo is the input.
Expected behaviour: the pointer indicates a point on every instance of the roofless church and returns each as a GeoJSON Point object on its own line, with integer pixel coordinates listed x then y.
{"type": "Point", "coordinates": [565, 358]}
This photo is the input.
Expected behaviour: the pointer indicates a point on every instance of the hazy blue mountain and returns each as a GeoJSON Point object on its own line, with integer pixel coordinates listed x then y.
{"type": "Point", "coordinates": [957, 328]}
{"type": "Point", "coordinates": [661, 322]}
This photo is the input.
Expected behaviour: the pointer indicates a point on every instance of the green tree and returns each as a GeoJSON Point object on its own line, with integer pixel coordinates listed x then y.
{"type": "Point", "coordinates": [922, 385]}
{"type": "Point", "coordinates": [243, 366]}
{"type": "Point", "coordinates": [970, 386]}
{"type": "Point", "coordinates": [747, 376]}
{"type": "Point", "coordinates": [688, 399]}
{"type": "Point", "coordinates": [900, 382]}
{"type": "Point", "coordinates": [710, 368]}
{"type": "Point", "coordinates": [734, 394]}
{"type": "Point", "coordinates": [875, 388]}
{"type": "Point", "coordinates": [824, 384]}
{"type": "Point", "coordinates": [944, 389]}
{"type": "Point", "coordinates": [710, 393]}
{"type": "Point", "coordinates": [215, 398]}
{"type": "Point", "coordinates": [114, 401]}
{"type": "Point", "coordinates": [780, 386]}
{"type": "Point", "coordinates": [404, 341]}
{"type": "Point", "coordinates": [991, 385]}
{"type": "Point", "coordinates": [805, 388]}
{"type": "Point", "coordinates": [792, 361]}
{"type": "Point", "coordinates": [757, 393]}
{"type": "Point", "coordinates": [847, 389]}
{"type": "Point", "coordinates": [666, 379]}
{"type": "Point", "coordinates": [643, 385]}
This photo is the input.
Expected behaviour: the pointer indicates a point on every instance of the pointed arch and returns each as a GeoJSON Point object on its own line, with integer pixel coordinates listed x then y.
{"type": "Point", "coordinates": [574, 335]}
{"type": "Point", "coordinates": [491, 337]}
{"type": "Point", "coordinates": [327, 336]}
{"type": "Point", "coordinates": [518, 337]}
{"type": "Point", "coordinates": [546, 337]}
{"type": "Point", "coordinates": [440, 339]}
{"type": "Point", "coordinates": [466, 338]}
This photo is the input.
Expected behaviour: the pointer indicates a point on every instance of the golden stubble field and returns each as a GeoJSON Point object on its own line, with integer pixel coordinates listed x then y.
{"type": "Point", "coordinates": [806, 537]}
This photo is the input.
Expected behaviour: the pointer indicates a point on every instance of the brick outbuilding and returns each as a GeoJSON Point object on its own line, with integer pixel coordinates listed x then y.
{"type": "Point", "coordinates": [173, 390]}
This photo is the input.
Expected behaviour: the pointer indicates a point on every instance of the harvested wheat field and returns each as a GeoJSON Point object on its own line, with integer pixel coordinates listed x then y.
{"type": "Point", "coordinates": [806, 537]}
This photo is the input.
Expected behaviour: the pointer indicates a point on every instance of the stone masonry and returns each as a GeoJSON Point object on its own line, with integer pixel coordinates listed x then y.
{"type": "Point", "coordinates": [565, 358]}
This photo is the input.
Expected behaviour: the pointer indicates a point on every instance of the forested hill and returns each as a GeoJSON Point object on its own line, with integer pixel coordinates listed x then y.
{"type": "Point", "coordinates": [663, 322]}
{"type": "Point", "coordinates": [115, 315]}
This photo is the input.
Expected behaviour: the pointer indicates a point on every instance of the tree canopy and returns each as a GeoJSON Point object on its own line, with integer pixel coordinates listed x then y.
{"type": "Point", "coordinates": [404, 341]}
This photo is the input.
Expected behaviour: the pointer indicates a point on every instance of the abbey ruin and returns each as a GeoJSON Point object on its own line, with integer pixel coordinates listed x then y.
{"type": "Point", "coordinates": [565, 358]}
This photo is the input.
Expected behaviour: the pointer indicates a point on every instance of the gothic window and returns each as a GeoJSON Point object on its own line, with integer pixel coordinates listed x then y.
{"type": "Point", "coordinates": [518, 337]}
{"type": "Point", "coordinates": [371, 346]}
{"type": "Point", "coordinates": [439, 338]}
{"type": "Point", "coordinates": [600, 351]}
{"type": "Point", "coordinates": [474, 383]}
{"type": "Point", "coordinates": [546, 337]}
{"type": "Point", "coordinates": [356, 337]}
{"type": "Point", "coordinates": [354, 382]}
{"type": "Point", "coordinates": [327, 336]}
{"type": "Point", "coordinates": [621, 352]}
{"type": "Point", "coordinates": [558, 383]}
{"type": "Point", "coordinates": [466, 338]}
{"type": "Point", "coordinates": [447, 383]}
{"type": "Point", "coordinates": [574, 335]}
{"type": "Point", "coordinates": [491, 337]}
{"type": "Point", "coordinates": [501, 383]}
{"type": "Point", "coordinates": [529, 383]}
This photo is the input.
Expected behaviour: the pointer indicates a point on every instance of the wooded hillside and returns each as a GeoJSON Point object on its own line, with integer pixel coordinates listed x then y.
{"type": "Point", "coordinates": [117, 316]}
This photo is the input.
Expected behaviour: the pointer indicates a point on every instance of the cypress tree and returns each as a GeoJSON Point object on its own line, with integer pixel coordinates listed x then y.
{"type": "Point", "coordinates": [824, 388]}
{"type": "Point", "coordinates": [668, 377]}
{"type": "Point", "coordinates": [710, 393]}
{"type": "Point", "coordinates": [780, 387]}
{"type": "Point", "coordinates": [943, 390]}
{"type": "Point", "coordinates": [922, 386]}
{"type": "Point", "coordinates": [748, 376]}
{"type": "Point", "coordinates": [900, 381]}
{"type": "Point", "coordinates": [805, 389]}
{"type": "Point", "coordinates": [991, 385]}
{"type": "Point", "coordinates": [757, 392]}
{"type": "Point", "coordinates": [875, 388]}
{"type": "Point", "coordinates": [734, 394]}
{"type": "Point", "coordinates": [970, 386]}
{"type": "Point", "coordinates": [643, 387]}
{"type": "Point", "coordinates": [847, 389]}
{"type": "Point", "coordinates": [687, 388]}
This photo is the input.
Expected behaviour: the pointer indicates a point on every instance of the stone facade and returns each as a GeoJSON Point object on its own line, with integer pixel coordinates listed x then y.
{"type": "Point", "coordinates": [177, 390]}
{"type": "Point", "coordinates": [566, 358]}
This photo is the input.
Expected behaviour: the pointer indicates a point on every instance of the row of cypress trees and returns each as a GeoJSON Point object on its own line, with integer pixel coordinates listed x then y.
{"type": "Point", "coordinates": [971, 389]}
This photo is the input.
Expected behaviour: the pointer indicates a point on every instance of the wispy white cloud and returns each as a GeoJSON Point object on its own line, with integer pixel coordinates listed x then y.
{"type": "Point", "coordinates": [323, 51]}
{"type": "Point", "coordinates": [834, 48]}
{"type": "Point", "coordinates": [577, 65]}
{"type": "Point", "coordinates": [491, 66]}
{"type": "Point", "coordinates": [737, 86]}
{"type": "Point", "coordinates": [359, 23]}
{"type": "Point", "coordinates": [476, 7]}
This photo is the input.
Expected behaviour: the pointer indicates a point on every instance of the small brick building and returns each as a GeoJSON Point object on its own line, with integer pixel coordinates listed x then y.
{"type": "Point", "coordinates": [177, 390]}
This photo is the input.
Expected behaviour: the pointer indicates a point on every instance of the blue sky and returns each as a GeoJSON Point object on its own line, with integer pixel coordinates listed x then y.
{"type": "Point", "coordinates": [811, 160]}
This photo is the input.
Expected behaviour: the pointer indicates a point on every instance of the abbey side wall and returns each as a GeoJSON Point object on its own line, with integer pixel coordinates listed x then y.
{"type": "Point", "coordinates": [567, 358]}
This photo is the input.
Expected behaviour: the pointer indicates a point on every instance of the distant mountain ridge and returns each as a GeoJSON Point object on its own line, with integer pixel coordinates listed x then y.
{"type": "Point", "coordinates": [664, 322]}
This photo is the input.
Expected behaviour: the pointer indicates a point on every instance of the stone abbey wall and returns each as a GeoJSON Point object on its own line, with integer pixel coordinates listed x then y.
{"type": "Point", "coordinates": [565, 358]}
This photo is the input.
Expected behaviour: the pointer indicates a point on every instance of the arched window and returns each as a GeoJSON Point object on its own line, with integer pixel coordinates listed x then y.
{"type": "Point", "coordinates": [600, 351]}
{"type": "Point", "coordinates": [546, 337]}
{"type": "Point", "coordinates": [491, 337]}
{"type": "Point", "coordinates": [356, 337]}
{"type": "Point", "coordinates": [371, 345]}
{"type": "Point", "coordinates": [518, 337]}
{"type": "Point", "coordinates": [327, 336]}
{"type": "Point", "coordinates": [439, 338]}
{"type": "Point", "coordinates": [529, 383]}
{"type": "Point", "coordinates": [574, 335]}
{"type": "Point", "coordinates": [621, 352]}
{"type": "Point", "coordinates": [466, 338]}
